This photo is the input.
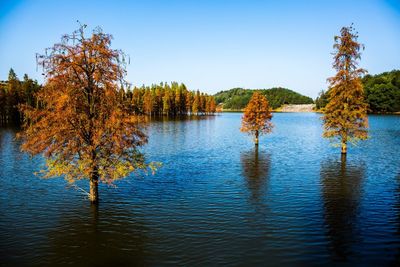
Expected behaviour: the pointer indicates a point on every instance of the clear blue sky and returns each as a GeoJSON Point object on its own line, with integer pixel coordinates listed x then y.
{"type": "Point", "coordinates": [210, 45]}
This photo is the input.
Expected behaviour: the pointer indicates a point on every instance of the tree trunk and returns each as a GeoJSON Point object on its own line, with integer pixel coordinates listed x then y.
{"type": "Point", "coordinates": [344, 147]}
{"type": "Point", "coordinates": [256, 139]}
{"type": "Point", "coordinates": [343, 161]}
{"type": "Point", "coordinates": [94, 188]}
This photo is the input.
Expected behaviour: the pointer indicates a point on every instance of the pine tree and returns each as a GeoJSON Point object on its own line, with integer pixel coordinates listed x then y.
{"type": "Point", "coordinates": [345, 115]}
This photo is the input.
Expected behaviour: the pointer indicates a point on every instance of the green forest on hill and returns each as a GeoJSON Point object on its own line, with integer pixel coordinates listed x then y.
{"type": "Point", "coordinates": [382, 92]}
{"type": "Point", "coordinates": [237, 98]}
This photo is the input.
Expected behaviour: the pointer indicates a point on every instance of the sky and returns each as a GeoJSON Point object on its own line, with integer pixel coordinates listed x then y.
{"type": "Point", "coordinates": [210, 45]}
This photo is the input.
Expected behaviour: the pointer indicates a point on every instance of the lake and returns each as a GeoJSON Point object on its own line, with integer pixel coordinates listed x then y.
{"type": "Point", "coordinates": [215, 201]}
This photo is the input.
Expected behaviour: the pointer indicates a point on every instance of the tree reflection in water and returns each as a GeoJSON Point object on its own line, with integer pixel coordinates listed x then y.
{"type": "Point", "coordinates": [341, 192]}
{"type": "Point", "coordinates": [397, 217]}
{"type": "Point", "coordinates": [255, 167]}
{"type": "Point", "coordinates": [86, 240]}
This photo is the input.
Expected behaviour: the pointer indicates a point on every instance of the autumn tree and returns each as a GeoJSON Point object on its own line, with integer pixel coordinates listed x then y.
{"type": "Point", "coordinates": [169, 99]}
{"type": "Point", "coordinates": [257, 117]}
{"type": "Point", "coordinates": [196, 103]}
{"type": "Point", "coordinates": [345, 115]}
{"type": "Point", "coordinates": [82, 129]}
{"type": "Point", "coordinates": [137, 102]}
{"type": "Point", "coordinates": [166, 102]}
{"type": "Point", "coordinates": [211, 106]}
{"type": "Point", "coordinates": [148, 102]}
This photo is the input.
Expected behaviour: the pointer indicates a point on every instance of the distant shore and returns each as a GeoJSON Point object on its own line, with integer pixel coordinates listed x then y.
{"type": "Point", "coordinates": [302, 109]}
{"type": "Point", "coordinates": [297, 108]}
{"type": "Point", "coordinates": [284, 108]}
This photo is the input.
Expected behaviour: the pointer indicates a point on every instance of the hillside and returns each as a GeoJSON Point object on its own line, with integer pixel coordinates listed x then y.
{"type": "Point", "coordinates": [296, 108]}
{"type": "Point", "coordinates": [382, 92]}
{"type": "Point", "coordinates": [237, 98]}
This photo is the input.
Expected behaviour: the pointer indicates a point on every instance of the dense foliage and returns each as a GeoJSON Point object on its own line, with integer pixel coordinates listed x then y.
{"type": "Point", "coordinates": [321, 100]}
{"type": "Point", "coordinates": [83, 128]}
{"type": "Point", "coordinates": [169, 99]}
{"type": "Point", "coordinates": [238, 98]}
{"type": "Point", "coordinates": [257, 117]}
{"type": "Point", "coordinates": [381, 91]}
{"type": "Point", "coordinates": [345, 114]}
{"type": "Point", "coordinates": [13, 93]}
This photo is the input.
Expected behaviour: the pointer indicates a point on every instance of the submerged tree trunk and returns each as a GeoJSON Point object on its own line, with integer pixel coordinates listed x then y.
{"type": "Point", "coordinates": [344, 147]}
{"type": "Point", "coordinates": [343, 161]}
{"type": "Point", "coordinates": [256, 139]}
{"type": "Point", "coordinates": [94, 188]}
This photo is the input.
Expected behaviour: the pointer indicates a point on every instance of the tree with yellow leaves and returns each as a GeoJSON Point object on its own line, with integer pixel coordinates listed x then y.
{"type": "Point", "coordinates": [345, 115]}
{"type": "Point", "coordinates": [257, 117]}
{"type": "Point", "coordinates": [83, 128]}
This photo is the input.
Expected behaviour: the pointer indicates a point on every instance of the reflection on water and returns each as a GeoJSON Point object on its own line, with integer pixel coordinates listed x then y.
{"type": "Point", "coordinates": [180, 118]}
{"type": "Point", "coordinates": [255, 168]}
{"type": "Point", "coordinates": [92, 240]}
{"type": "Point", "coordinates": [214, 201]}
{"type": "Point", "coordinates": [341, 192]}
{"type": "Point", "coordinates": [397, 217]}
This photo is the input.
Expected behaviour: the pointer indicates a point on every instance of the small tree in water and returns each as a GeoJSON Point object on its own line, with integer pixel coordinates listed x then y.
{"type": "Point", "coordinates": [257, 117]}
{"type": "Point", "coordinates": [83, 128]}
{"type": "Point", "coordinates": [345, 115]}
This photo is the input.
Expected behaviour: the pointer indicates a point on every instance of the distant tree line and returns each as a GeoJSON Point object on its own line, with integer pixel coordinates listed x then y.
{"type": "Point", "coordinates": [164, 99]}
{"type": "Point", "coordinates": [238, 98]}
{"type": "Point", "coordinates": [14, 92]}
{"type": "Point", "coordinates": [169, 99]}
{"type": "Point", "coordinates": [381, 92]}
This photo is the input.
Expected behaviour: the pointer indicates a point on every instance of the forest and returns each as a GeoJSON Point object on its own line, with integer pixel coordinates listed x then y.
{"type": "Point", "coordinates": [238, 98]}
{"type": "Point", "coordinates": [13, 93]}
{"type": "Point", "coordinates": [172, 99]}
{"type": "Point", "coordinates": [169, 99]}
{"type": "Point", "coordinates": [381, 91]}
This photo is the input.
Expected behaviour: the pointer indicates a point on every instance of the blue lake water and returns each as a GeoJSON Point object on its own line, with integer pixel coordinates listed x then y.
{"type": "Point", "coordinates": [215, 201]}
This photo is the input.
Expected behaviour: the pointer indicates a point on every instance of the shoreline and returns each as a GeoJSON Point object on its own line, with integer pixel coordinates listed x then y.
{"type": "Point", "coordinates": [314, 111]}
{"type": "Point", "coordinates": [303, 108]}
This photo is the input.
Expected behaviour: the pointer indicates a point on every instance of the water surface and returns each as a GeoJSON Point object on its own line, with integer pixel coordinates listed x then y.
{"type": "Point", "coordinates": [216, 200]}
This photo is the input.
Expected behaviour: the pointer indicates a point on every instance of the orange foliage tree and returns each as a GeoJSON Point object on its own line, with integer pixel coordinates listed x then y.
{"type": "Point", "coordinates": [345, 115]}
{"type": "Point", "coordinates": [257, 117]}
{"type": "Point", "coordinates": [169, 99]}
{"type": "Point", "coordinates": [83, 128]}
